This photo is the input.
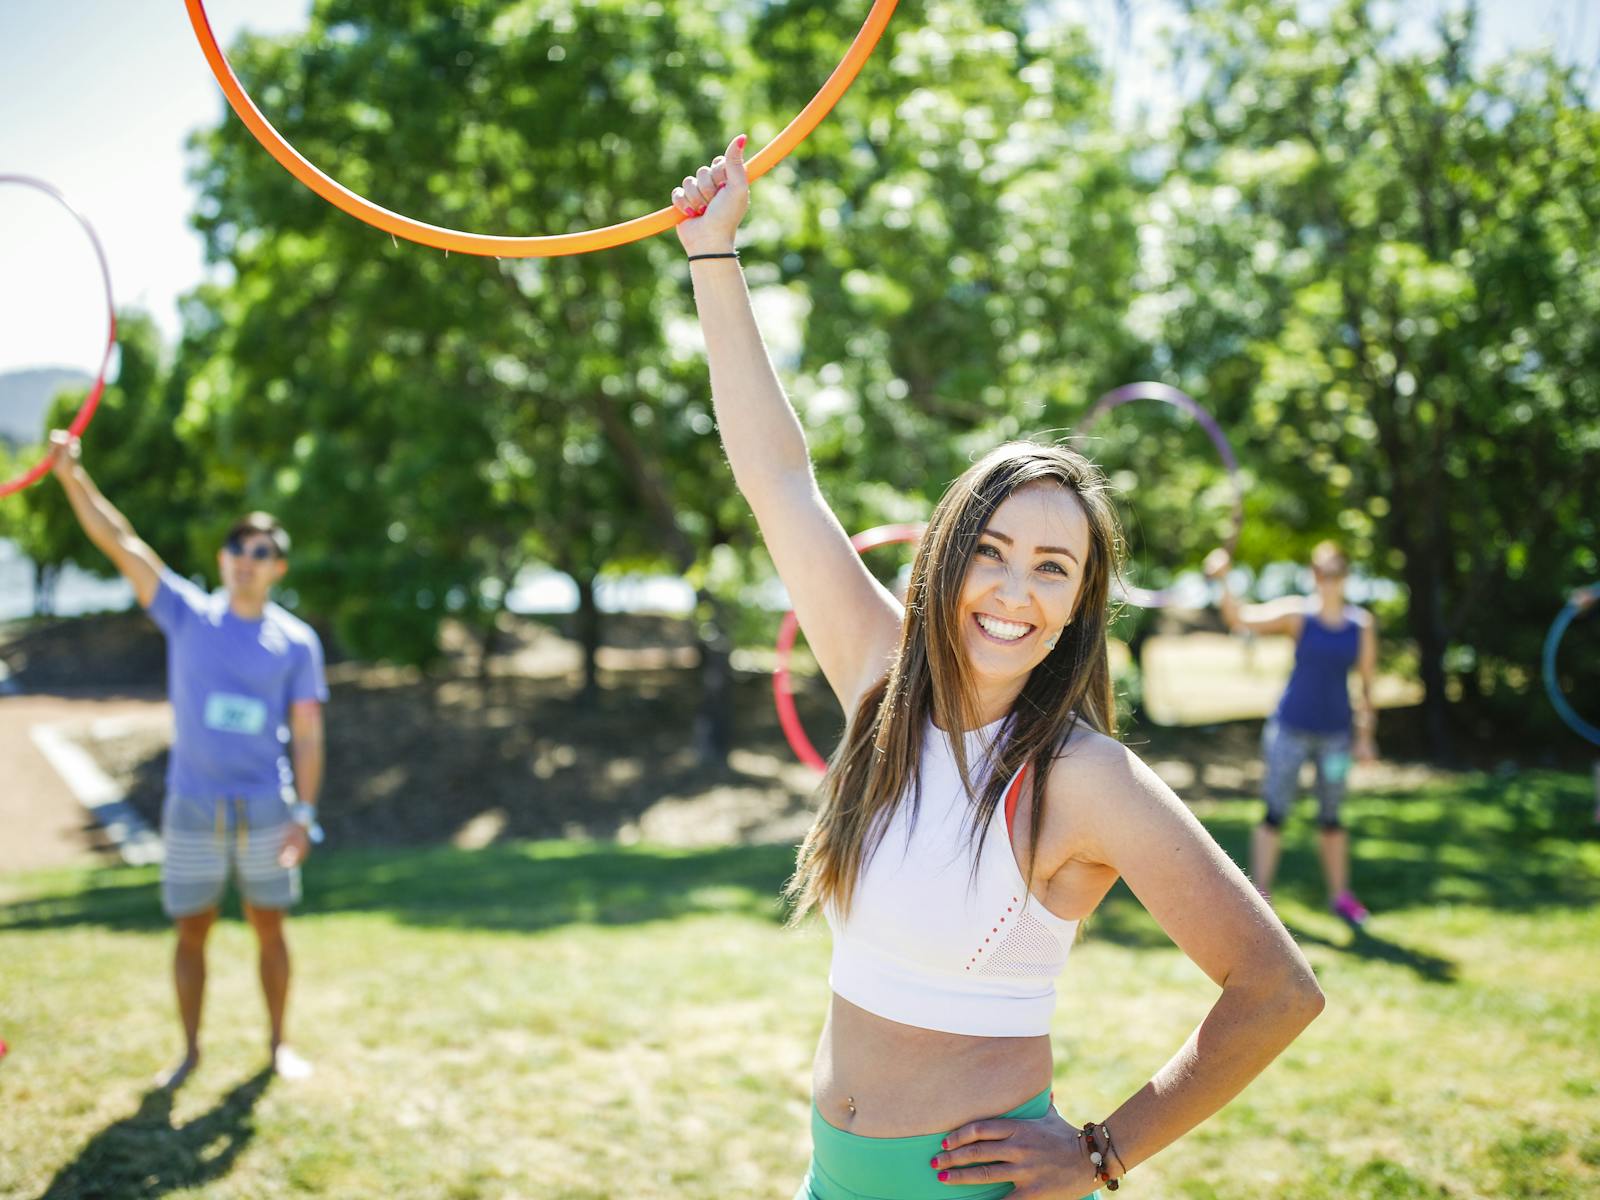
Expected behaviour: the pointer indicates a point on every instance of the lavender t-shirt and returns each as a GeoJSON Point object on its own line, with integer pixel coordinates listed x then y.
{"type": "Point", "coordinates": [231, 683]}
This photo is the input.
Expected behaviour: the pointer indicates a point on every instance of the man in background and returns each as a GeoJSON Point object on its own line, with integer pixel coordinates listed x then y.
{"type": "Point", "coordinates": [245, 678]}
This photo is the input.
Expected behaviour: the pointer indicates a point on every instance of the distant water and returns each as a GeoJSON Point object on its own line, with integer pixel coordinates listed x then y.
{"type": "Point", "coordinates": [77, 592]}
{"type": "Point", "coordinates": [535, 591]}
{"type": "Point", "coordinates": [539, 590]}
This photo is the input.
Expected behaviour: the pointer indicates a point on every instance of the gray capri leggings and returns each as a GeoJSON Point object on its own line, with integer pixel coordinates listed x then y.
{"type": "Point", "coordinates": [1286, 751]}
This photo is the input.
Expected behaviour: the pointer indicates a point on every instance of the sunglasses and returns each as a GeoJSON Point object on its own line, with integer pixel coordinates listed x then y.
{"type": "Point", "coordinates": [261, 552]}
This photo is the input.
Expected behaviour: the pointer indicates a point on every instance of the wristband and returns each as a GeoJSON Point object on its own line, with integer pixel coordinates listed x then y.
{"type": "Point", "coordinates": [724, 254]}
{"type": "Point", "coordinates": [305, 816]}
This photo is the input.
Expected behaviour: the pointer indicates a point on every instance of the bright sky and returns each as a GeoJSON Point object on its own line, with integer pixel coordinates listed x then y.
{"type": "Point", "coordinates": [98, 97]}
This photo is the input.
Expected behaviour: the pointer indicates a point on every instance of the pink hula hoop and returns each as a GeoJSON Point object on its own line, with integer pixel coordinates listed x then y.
{"type": "Point", "coordinates": [789, 631]}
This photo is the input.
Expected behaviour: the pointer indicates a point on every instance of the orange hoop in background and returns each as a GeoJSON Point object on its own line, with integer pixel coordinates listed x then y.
{"type": "Point", "coordinates": [499, 246]}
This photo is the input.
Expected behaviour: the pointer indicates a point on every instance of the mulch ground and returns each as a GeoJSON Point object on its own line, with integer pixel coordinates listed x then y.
{"type": "Point", "coordinates": [460, 754]}
{"type": "Point", "coordinates": [468, 755]}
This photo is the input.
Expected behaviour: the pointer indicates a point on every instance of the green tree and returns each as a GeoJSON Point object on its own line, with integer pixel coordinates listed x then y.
{"type": "Point", "coordinates": [955, 246]}
{"type": "Point", "coordinates": [1379, 256]}
{"type": "Point", "coordinates": [428, 424]}
{"type": "Point", "coordinates": [962, 237]}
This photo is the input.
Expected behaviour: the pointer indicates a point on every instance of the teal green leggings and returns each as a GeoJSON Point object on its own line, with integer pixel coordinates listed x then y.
{"type": "Point", "coordinates": [845, 1166]}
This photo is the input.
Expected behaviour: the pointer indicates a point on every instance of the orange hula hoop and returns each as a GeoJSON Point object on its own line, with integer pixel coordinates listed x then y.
{"type": "Point", "coordinates": [500, 246]}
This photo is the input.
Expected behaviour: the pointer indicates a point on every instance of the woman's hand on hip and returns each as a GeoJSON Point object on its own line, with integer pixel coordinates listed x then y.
{"type": "Point", "coordinates": [714, 200]}
{"type": "Point", "coordinates": [1044, 1158]}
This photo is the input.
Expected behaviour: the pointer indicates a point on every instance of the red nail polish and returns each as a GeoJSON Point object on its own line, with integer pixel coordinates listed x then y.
{"type": "Point", "coordinates": [934, 1161]}
{"type": "Point", "coordinates": [944, 1143]}
{"type": "Point", "coordinates": [740, 141]}
{"type": "Point", "coordinates": [943, 1176]}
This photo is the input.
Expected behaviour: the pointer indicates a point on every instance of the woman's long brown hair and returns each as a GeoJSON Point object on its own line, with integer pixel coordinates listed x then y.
{"type": "Point", "coordinates": [874, 769]}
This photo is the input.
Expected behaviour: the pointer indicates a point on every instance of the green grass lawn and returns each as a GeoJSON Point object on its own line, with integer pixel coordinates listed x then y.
{"type": "Point", "coordinates": [581, 1020]}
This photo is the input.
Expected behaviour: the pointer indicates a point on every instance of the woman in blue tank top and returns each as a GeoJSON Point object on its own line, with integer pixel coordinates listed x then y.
{"type": "Point", "coordinates": [933, 1075]}
{"type": "Point", "coordinates": [1314, 720]}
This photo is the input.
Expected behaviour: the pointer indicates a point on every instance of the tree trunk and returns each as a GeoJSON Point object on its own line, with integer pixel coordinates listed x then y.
{"type": "Point", "coordinates": [712, 736]}
{"type": "Point", "coordinates": [488, 639]}
{"type": "Point", "coordinates": [713, 722]}
{"type": "Point", "coordinates": [488, 634]}
{"type": "Point", "coordinates": [713, 726]}
{"type": "Point", "coordinates": [1426, 618]}
{"type": "Point", "coordinates": [45, 578]}
{"type": "Point", "coordinates": [588, 630]}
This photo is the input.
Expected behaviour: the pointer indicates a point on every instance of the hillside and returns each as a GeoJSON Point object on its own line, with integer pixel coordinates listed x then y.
{"type": "Point", "coordinates": [25, 398]}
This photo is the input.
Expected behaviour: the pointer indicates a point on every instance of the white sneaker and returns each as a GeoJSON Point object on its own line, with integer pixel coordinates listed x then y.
{"type": "Point", "coordinates": [286, 1064]}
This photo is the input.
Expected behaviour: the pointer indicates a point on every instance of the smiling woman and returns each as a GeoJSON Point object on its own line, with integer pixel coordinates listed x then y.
{"type": "Point", "coordinates": [979, 807]}
{"type": "Point", "coordinates": [501, 246]}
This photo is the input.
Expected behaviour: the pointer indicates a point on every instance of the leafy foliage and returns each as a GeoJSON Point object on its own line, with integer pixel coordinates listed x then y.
{"type": "Point", "coordinates": [1372, 257]}
{"type": "Point", "coordinates": [1380, 259]}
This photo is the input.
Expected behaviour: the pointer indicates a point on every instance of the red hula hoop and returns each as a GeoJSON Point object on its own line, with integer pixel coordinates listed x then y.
{"type": "Point", "coordinates": [783, 684]}
{"type": "Point", "coordinates": [92, 400]}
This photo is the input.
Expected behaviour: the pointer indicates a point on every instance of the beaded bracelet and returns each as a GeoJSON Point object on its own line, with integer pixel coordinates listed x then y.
{"type": "Point", "coordinates": [1097, 1154]}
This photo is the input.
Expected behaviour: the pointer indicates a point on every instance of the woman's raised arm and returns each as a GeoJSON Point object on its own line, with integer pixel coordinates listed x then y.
{"type": "Point", "coordinates": [850, 620]}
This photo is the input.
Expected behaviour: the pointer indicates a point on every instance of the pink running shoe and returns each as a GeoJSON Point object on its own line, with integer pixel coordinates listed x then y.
{"type": "Point", "coordinates": [1352, 910]}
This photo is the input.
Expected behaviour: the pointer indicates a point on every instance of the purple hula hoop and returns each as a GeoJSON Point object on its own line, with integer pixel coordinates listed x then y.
{"type": "Point", "coordinates": [1167, 394]}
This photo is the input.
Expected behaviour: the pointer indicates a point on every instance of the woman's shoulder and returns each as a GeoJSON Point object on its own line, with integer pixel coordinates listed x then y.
{"type": "Point", "coordinates": [1096, 783]}
{"type": "Point", "coordinates": [1087, 742]}
{"type": "Point", "coordinates": [1092, 762]}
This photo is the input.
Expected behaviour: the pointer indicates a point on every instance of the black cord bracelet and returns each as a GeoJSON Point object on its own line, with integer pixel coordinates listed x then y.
{"type": "Point", "coordinates": [725, 254]}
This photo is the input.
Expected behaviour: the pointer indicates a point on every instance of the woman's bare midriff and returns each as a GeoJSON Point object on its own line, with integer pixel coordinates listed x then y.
{"type": "Point", "coordinates": [879, 1078]}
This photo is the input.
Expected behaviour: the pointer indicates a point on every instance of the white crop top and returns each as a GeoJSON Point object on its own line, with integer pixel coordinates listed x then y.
{"type": "Point", "coordinates": [929, 943]}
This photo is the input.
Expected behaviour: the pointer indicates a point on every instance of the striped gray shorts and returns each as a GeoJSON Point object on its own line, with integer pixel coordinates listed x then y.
{"type": "Point", "coordinates": [207, 840]}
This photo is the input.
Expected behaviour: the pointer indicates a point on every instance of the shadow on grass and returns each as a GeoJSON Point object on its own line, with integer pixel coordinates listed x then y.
{"type": "Point", "coordinates": [1123, 922]}
{"type": "Point", "coordinates": [1434, 968]}
{"type": "Point", "coordinates": [144, 1154]}
{"type": "Point", "coordinates": [1508, 845]}
{"type": "Point", "coordinates": [518, 887]}
{"type": "Point", "coordinates": [1516, 844]}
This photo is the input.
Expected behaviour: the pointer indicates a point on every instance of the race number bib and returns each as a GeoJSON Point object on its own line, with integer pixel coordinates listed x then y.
{"type": "Point", "coordinates": [235, 714]}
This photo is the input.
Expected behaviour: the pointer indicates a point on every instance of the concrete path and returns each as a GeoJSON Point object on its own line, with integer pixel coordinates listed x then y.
{"type": "Point", "coordinates": [43, 823]}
